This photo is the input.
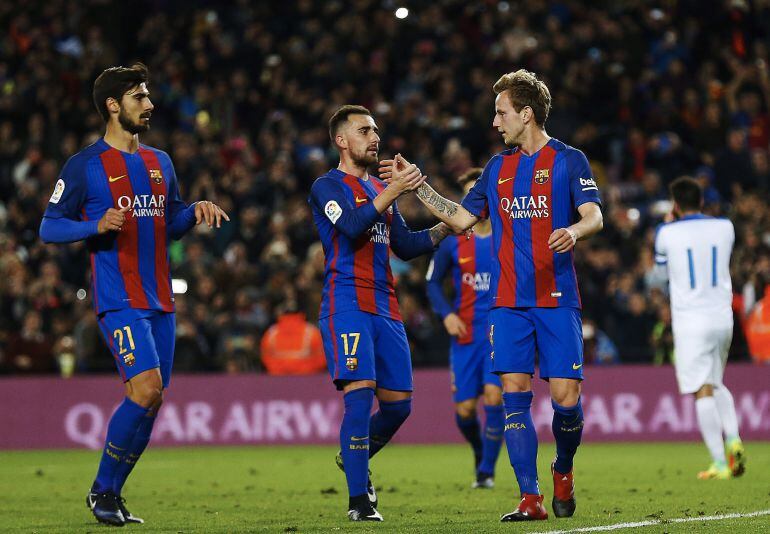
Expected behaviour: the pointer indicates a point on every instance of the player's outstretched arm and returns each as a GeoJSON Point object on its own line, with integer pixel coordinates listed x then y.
{"type": "Point", "coordinates": [457, 218]}
{"type": "Point", "coordinates": [590, 223]}
{"type": "Point", "coordinates": [64, 230]}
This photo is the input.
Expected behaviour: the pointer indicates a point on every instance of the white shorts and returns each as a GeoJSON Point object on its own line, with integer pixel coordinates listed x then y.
{"type": "Point", "coordinates": [700, 354]}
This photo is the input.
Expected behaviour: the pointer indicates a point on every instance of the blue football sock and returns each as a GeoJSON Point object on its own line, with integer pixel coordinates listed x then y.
{"type": "Point", "coordinates": [521, 440]}
{"type": "Point", "coordinates": [120, 434]}
{"type": "Point", "coordinates": [139, 443]}
{"type": "Point", "coordinates": [492, 439]}
{"type": "Point", "coordinates": [385, 423]}
{"type": "Point", "coordinates": [567, 428]}
{"type": "Point", "coordinates": [354, 439]}
{"type": "Point", "coordinates": [471, 430]}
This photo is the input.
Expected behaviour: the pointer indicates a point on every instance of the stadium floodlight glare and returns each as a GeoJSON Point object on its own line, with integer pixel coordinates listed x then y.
{"type": "Point", "coordinates": [179, 286]}
{"type": "Point", "coordinates": [402, 13]}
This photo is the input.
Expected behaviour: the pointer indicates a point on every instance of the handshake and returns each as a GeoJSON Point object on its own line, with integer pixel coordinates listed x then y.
{"type": "Point", "coordinates": [401, 175]}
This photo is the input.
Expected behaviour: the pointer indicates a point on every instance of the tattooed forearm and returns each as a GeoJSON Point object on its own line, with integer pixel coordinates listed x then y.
{"type": "Point", "coordinates": [439, 232]}
{"type": "Point", "coordinates": [435, 202]}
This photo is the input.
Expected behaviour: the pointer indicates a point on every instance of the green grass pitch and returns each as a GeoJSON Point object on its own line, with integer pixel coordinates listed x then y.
{"type": "Point", "coordinates": [421, 489]}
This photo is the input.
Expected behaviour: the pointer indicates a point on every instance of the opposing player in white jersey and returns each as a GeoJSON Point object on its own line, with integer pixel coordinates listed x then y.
{"type": "Point", "coordinates": [695, 250]}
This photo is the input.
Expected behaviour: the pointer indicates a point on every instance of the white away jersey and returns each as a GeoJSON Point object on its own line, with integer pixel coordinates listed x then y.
{"type": "Point", "coordinates": [696, 251]}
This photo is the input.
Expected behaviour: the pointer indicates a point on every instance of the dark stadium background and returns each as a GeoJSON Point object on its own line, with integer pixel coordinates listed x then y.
{"type": "Point", "coordinates": [648, 90]}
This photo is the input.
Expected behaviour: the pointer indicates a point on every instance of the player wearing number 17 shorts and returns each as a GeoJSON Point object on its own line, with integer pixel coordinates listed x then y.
{"type": "Point", "coordinates": [364, 339]}
{"type": "Point", "coordinates": [122, 197]}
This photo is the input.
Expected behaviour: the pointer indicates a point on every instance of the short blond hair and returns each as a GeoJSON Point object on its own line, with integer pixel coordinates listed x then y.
{"type": "Point", "coordinates": [524, 89]}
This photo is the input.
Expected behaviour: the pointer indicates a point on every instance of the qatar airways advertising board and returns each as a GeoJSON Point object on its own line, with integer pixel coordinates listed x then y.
{"type": "Point", "coordinates": [625, 403]}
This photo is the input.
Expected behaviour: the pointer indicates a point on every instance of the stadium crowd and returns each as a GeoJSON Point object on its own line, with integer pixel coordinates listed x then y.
{"type": "Point", "coordinates": [242, 95]}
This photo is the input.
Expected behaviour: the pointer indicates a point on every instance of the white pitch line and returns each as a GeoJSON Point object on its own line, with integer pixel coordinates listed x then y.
{"type": "Point", "coordinates": [618, 526]}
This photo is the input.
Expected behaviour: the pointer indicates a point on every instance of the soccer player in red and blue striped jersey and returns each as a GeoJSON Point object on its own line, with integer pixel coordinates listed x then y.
{"type": "Point", "coordinates": [122, 197]}
{"type": "Point", "coordinates": [468, 262]}
{"type": "Point", "coordinates": [532, 194]}
{"type": "Point", "coordinates": [364, 339]}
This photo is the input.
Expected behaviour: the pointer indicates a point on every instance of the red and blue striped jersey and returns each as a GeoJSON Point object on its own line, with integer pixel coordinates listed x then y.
{"type": "Point", "coordinates": [470, 264]}
{"type": "Point", "coordinates": [357, 241]}
{"type": "Point", "coordinates": [130, 268]}
{"type": "Point", "coordinates": [527, 198]}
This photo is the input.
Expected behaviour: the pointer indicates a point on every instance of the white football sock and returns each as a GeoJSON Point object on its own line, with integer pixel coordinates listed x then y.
{"type": "Point", "coordinates": [726, 409]}
{"type": "Point", "coordinates": [711, 427]}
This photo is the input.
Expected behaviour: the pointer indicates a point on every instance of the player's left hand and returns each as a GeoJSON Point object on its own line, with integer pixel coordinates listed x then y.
{"type": "Point", "coordinates": [207, 211]}
{"type": "Point", "coordinates": [562, 240]}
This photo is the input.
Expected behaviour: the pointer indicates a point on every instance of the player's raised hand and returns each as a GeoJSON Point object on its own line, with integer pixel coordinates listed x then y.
{"type": "Point", "coordinates": [562, 240]}
{"type": "Point", "coordinates": [405, 177]}
{"type": "Point", "coordinates": [455, 326]}
{"type": "Point", "coordinates": [207, 211]}
{"type": "Point", "coordinates": [385, 169]}
{"type": "Point", "coordinates": [112, 220]}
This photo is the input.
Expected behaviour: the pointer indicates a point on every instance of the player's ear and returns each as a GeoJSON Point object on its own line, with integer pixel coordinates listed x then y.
{"type": "Point", "coordinates": [340, 141]}
{"type": "Point", "coordinates": [112, 105]}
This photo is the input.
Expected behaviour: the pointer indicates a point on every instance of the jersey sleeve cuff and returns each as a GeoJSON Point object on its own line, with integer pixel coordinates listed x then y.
{"type": "Point", "coordinates": [476, 213]}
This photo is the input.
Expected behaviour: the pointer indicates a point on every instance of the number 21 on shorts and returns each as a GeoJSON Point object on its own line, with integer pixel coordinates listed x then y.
{"type": "Point", "coordinates": [128, 357]}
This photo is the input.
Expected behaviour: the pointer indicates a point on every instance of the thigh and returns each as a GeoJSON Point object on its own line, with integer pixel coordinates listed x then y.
{"type": "Point", "coordinates": [559, 336]}
{"type": "Point", "coordinates": [723, 340]}
{"type": "Point", "coordinates": [128, 334]}
{"type": "Point", "coordinates": [164, 333]}
{"type": "Point", "coordinates": [467, 371]}
{"type": "Point", "coordinates": [484, 355]}
{"type": "Point", "coordinates": [695, 358]}
{"type": "Point", "coordinates": [512, 334]}
{"type": "Point", "coordinates": [393, 359]}
{"type": "Point", "coordinates": [348, 347]}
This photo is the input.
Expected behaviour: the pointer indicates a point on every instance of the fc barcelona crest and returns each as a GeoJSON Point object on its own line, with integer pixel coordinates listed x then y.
{"type": "Point", "coordinates": [542, 175]}
{"type": "Point", "coordinates": [351, 363]}
{"type": "Point", "coordinates": [129, 359]}
{"type": "Point", "coordinates": [156, 176]}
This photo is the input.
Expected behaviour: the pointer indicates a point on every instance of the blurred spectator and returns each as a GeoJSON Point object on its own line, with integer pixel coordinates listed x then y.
{"type": "Point", "coordinates": [293, 346]}
{"type": "Point", "coordinates": [598, 347]}
{"type": "Point", "coordinates": [758, 330]}
{"type": "Point", "coordinates": [30, 350]}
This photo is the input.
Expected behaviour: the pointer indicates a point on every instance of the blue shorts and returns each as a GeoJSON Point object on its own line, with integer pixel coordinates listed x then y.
{"type": "Point", "coordinates": [363, 346]}
{"type": "Point", "coordinates": [556, 334]}
{"type": "Point", "coordinates": [140, 340]}
{"type": "Point", "coordinates": [471, 367]}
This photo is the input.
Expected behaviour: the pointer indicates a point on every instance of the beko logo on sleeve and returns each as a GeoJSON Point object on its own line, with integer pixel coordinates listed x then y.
{"type": "Point", "coordinates": [333, 211]}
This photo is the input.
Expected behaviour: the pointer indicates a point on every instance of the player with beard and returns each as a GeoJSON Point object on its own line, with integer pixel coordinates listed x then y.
{"type": "Point", "coordinates": [122, 197]}
{"type": "Point", "coordinates": [541, 198]}
{"type": "Point", "coordinates": [364, 338]}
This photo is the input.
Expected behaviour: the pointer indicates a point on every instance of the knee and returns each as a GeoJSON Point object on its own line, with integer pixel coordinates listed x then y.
{"type": "Point", "coordinates": [516, 383]}
{"type": "Point", "coordinates": [148, 395]}
{"type": "Point", "coordinates": [466, 410]}
{"type": "Point", "coordinates": [568, 399]}
{"type": "Point", "coordinates": [399, 410]}
{"type": "Point", "coordinates": [706, 390]}
{"type": "Point", "coordinates": [493, 397]}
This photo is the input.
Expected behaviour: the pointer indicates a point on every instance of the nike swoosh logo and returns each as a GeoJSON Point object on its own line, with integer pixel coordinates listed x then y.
{"type": "Point", "coordinates": [111, 179]}
{"type": "Point", "coordinates": [503, 180]}
{"type": "Point", "coordinates": [576, 367]}
{"type": "Point", "coordinates": [109, 443]}
{"type": "Point", "coordinates": [353, 438]}
{"type": "Point", "coordinates": [512, 414]}
{"type": "Point", "coordinates": [464, 260]}
{"type": "Point", "coordinates": [359, 200]}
